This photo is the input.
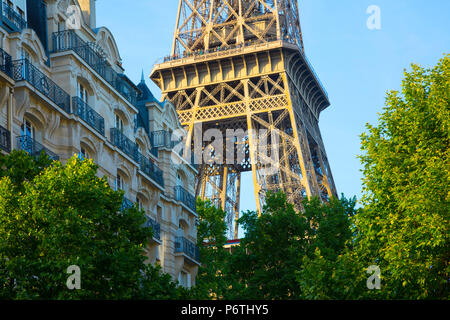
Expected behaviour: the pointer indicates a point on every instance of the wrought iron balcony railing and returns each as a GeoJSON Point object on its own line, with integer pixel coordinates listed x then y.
{"type": "Point", "coordinates": [126, 204]}
{"type": "Point", "coordinates": [155, 152]}
{"type": "Point", "coordinates": [13, 19]}
{"type": "Point", "coordinates": [5, 139]}
{"type": "Point", "coordinates": [125, 144]}
{"type": "Point", "coordinates": [33, 147]}
{"type": "Point", "coordinates": [183, 245]}
{"type": "Point", "coordinates": [5, 62]}
{"type": "Point", "coordinates": [85, 112]}
{"type": "Point", "coordinates": [162, 139]}
{"type": "Point", "coordinates": [185, 197]}
{"type": "Point", "coordinates": [151, 169]}
{"type": "Point", "coordinates": [156, 227]}
{"type": "Point", "coordinates": [69, 40]}
{"type": "Point", "coordinates": [24, 70]}
{"type": "Point", "coordinates": [131, 149]}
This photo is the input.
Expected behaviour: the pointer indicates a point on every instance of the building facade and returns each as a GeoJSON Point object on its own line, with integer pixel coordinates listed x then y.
{"type": "Point", "coordinates": [63, 90]}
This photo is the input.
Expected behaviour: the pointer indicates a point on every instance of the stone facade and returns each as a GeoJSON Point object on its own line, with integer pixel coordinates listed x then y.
{"type": "Point", "coordinates": [63, 90]}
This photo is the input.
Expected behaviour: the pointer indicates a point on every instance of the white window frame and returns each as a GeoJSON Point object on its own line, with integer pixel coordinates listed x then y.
{"type": "Point", "coordinates": [82, 93]}
{"type": "Point", "coordinates": [119, 123]}
{"type": "Point", "coordinates": [84, 154]}
{"type": "Point", "coordinates": [119, 182]}
{"type": "Point", "coordinates": [27, 129]}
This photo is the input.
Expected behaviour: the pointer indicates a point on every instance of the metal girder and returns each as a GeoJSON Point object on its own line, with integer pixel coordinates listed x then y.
{"type": "Point", "coordinates": [266, 88]}
{"type": "Point", "coordinates": [210, 24]}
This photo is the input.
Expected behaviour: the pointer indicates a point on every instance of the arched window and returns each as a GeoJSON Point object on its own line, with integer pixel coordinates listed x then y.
{"type": "Point", "coordinates": [84, 154]}
{"type": "Point", "coordinates": [183, 229]}
{"type": "Point", "coordinates": [26, 55]}
{"type": "Point", "coordinates": [119, 123]}
{"type": "Point", "coordinates": [82, 93]}
{"type": "Point", "coordinates": [184, 279]}
{"type": "Point", "coordinates": [27, 129]}
{"type": "Point", "coordinates": [119, 182]}
{"type": "Point", "coordinates": [140, 204]}
{"type": "Point", "coordinates": [179, 180]}
{"type": "Point", "coordinates": [159, 214]}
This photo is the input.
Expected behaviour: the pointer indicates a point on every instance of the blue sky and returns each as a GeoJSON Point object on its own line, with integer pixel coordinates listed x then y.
{"type": "Point", "coordinates": [356, 65]}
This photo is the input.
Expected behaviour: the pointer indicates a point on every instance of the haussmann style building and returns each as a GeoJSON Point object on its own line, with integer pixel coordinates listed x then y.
{"type": "Point", "coordinates": [63, 90]}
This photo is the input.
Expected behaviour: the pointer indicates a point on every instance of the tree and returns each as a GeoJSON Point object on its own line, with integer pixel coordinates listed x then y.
{"type": "Point", "coordinates": [281, 242]}
{"type": "Point", "coordinates": [211, 238]}
{"type": "Point", "coordinates": [404, 228]}
{"type": "Point", "coordinates": [331, 271]}
{"type": "Point", "coordinates": [55, 216]}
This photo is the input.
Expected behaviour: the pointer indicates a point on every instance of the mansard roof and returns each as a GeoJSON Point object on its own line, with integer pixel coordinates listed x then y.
{"type": "Point", "coordinates": [146, 95]}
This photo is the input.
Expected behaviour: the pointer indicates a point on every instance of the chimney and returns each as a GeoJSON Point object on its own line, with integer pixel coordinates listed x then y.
{"type": "Point", "coordinates": [88, 9]}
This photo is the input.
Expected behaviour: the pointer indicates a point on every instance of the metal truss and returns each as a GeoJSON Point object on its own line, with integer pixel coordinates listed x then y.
{"type": "Point", "coordinates": [268, 90]}
{"type": "Point", "coordinates": [204, 25]}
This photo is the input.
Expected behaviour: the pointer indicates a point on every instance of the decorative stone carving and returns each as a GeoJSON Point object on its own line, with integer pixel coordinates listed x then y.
{"type": "Point", "coordinates": [53, 122]}
{"type": "Point", "coordinates": [62, 6]}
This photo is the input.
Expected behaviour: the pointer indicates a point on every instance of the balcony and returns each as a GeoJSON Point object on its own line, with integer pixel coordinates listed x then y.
{"type": "Point", "coordinates": [5, 63]}
{"type": "Point", "coordinates": [156, 227]}
{"type": "Point", "coordinates": [89, 115]}
{"type": "Point", "coordinates": [151, 169]}
{"type": "Point", "coordinates": [154, 151]}
{"type": "Point", "coordinates": [126, 204]}
{"type": "Point", "coordinates": [12, 18]}
{"type": "Point", "coordinates": [123, 143]}
{"type": "Point", "coordinates": [23, 70]}
{"type": "Point", "coordinates": [188, 248]}
{"type": "Point", "coordinates": [162, 139]}
{"type": "Point", "coordinates": [69, 40]}
{"type": "Point", "coordinates": [5, 140]}
{"type": "Point", "coordinates": [34, 148]}
{"type": "Point", "coordinates": [186, 198]}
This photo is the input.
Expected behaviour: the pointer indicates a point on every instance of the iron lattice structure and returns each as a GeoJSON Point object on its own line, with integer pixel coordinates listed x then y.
{"type": "Point", "coordinates": [240, 64]}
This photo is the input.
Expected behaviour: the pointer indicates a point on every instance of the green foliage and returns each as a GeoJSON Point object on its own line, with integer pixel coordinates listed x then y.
{"type": "Point", "coordinates": [404, 228]}
{"type": "Point", "coordinates": [281, 242]}
{"type": "Point", "coordinates": [52, 217]}
{"type": "Point", "coordinates": [211, 238]}
{"type": "Point", "coordinates": [331, 272]}
{"type": "Point", "coordinates": [271, 252]}
{"type": "Point", "coordinates": [20, 167]}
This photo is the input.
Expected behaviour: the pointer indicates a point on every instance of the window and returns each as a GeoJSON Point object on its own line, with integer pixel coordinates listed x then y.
{"type": "Point", "coordinates": [159, 213]}
{"type": "Point", "coordinates": [27, 129]}
{"type": "Point", "coordinates": [184, 279]}
{"type": "Point", "coordinates": [82, 93]}
{"type": "Point", "coordinates": [119, 182]}
{"type": "Point", "coordinates": [119, 123]}
{"type": "Point", "coordinates": [179, 180]}
{"type": "Point", "coordinates": [26, 55]}
{"type": "Point", "coordinates": [139, 204]}
{"type": "Point", "coordinates": [183, 228]}
{"type": "Point", "coordinates": [84, 154]}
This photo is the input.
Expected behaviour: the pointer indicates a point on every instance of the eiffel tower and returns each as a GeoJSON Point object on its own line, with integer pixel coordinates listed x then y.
{"type": "Point", "coordinates": [240, 64]}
